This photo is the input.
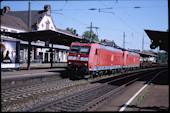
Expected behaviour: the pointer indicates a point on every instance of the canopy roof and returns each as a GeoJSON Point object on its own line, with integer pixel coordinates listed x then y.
{"type": "Point", "coordinates": [155, 35]}
{"type": "Point", "coordinates": [54, 37]}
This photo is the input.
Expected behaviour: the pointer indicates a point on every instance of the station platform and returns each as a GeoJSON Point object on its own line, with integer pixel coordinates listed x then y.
{"type": "Point", "coordinates": [42, 65]}
{"type": "Point", "coordinates": [37, 73]}
{"type": "Point", "coordinates": [154, 97]}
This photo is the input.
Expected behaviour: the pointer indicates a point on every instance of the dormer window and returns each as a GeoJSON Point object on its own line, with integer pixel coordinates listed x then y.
{"type": "Point", "coordinates": [42, 25]}
{"type": "Point", "coordinates": [47, 24]}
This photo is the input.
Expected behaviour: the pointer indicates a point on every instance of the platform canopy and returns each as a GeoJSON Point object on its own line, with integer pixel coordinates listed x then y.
{"type": "Point", "coordinates": [54, 37]}
{"type": "Point", "coordinates": [147, 54]}
{"type": "Point", "coordinates": [48, 36]}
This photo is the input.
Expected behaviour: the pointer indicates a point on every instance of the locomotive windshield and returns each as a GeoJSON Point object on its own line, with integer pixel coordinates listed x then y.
{"type": "Point", "coordinates": [80, 49]}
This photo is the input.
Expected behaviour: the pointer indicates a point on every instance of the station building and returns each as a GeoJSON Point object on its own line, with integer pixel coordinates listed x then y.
{"type": "Point", "coordinates": [17, 21]}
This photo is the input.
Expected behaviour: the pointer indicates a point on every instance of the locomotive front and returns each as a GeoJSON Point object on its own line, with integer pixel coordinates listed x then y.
{"type": "Point", "coordinates": [78, 59]}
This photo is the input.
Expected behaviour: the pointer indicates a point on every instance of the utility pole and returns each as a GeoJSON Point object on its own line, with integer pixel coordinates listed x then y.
{"type": "Point", "coordinates": [29, 17]}
{"type": "Point", "coordinates": [124, 40]}
{"type": "Point", "coordinates": [143, 42]}
{"type": "Point", "coordinates": [91, 31]}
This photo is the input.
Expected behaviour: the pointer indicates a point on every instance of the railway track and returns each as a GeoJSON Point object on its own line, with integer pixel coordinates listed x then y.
{"type": "Point", "coordinates": [14, 93]}
{"type": "Point", "coordinates": [22, 92]}
{"type": "Point", "coordinates": [13, 99]}
{"type": "Point", "coordinates": [25, 97]}
{"type": "Point", "coordinates": [25, 91]}
{"type": "Point", "coordinates": [86, 99]}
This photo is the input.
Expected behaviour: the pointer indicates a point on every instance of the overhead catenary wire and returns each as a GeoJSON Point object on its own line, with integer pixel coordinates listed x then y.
{"type": "Point", "coordinates": [126, 25]}
{"type": "Point", "coordinates": [116, 1]}
{"type": "Point", "coordinates": [84, 24]}
{"type": "Point", "coordinates": [62, 9]}
{"type": "Point", "coordinates": [118, 17]}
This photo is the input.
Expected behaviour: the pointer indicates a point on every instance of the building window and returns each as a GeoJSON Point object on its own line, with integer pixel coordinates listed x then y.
{"type": "Point", "coordinates": [42, 25]}
{"type": "Point", "coordinates": [47, 24]}
{"type": "Point", "coordinates": [13, 31]}
{"type": "Point", "coordinates": [4, 30]}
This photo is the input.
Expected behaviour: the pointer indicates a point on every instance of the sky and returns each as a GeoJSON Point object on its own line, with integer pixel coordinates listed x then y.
{"type": "Point", "coordinates": [113, 18]}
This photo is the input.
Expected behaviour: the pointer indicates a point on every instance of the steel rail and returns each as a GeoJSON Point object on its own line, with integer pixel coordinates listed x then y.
{"type": "Point", "coordinates": [93, 102]}
{"type": "Point", "coordinates": [51, 103]}
{"type": "Point", "coordinates": [14, 95]}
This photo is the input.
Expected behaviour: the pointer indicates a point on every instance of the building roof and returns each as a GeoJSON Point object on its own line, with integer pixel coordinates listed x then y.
{"type": "Point", "coordinates": [65, 31]}
{"type": "Point", "coordinates": [36, 16]}
{"type": "Point", "coordinates": [59, 36]}
{"type": "Point", "coordinates": [148, 53]}
{"type": "Point", "coordinates": [13, 22]}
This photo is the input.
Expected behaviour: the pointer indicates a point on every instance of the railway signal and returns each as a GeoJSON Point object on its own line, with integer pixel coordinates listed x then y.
{"type": "Point", "coordinates": [155, 43]}
{"type": "Point", "coordinates": [158, 38]}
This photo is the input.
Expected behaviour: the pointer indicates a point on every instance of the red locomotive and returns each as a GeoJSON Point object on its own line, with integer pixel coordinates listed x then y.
{"type": "Point", "coordinates": [131, 60]}
{"type": "Point", "coordinates": [93, 59]}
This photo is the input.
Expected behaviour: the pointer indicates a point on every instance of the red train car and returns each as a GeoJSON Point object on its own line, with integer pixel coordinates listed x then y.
{"type": "Point", "coordinates": [131, 60]}
{"type": "Point", "coordinates": [93, 59]}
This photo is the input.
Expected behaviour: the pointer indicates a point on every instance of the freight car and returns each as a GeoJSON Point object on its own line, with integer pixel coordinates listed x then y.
{"type": "Point", "coordinates": [89, 60]}
{"type": "Point", "coordinates": [146, 64]}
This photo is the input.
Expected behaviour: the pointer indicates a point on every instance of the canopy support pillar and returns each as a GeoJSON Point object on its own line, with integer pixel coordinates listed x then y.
{"type": "Point", "coordinates": [29, 52]}
{"type": "Point", "coordinates": [51, 59]}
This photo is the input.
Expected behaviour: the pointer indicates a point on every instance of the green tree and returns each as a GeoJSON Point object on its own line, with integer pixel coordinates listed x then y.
{"type": "Point", "coordinates": [93, 36]}
{"type": "Point", "coordinates": [162, 57]}
{"type": "Point", "coordinates": [74, 31]}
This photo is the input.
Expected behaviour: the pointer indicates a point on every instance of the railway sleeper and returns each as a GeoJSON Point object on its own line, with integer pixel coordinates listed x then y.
{"type": "Point", "coordinates": [78, 101]}
{"type": "Point", "coordinates": [85, 100]}
{"type": "Point", "coordinates": [64, 107]}
{"type": "Point", "coordinates": [94, 104]}
{"type": "Point", "coordinates": [94, 94]}
{"type": "Point", "coordinates": [85, 96]}
{"type": "Point", "coordinates": [48, 110]}
{"type": "Point", "coordinates": [71, 104]}
{"type": "Point", "coordinates": [56, 108]}
{"type": "Point", "coordinates": [89, 97]}
{"type": "Point", "coordinates": [78, 97]}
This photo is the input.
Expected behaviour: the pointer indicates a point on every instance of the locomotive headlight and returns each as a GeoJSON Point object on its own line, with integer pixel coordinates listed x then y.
{"type": "Point", "coordinates": [70, 63]}
{"type": "Point", "coordinates": [85, 64]}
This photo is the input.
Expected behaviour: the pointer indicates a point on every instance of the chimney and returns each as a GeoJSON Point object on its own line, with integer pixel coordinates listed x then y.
{"type": "Point", "coordinates": [47, 8]}
{"type": "Point", "coordinates": [6, 9]}
{"type": "Point", "coordinates": [1, 11]}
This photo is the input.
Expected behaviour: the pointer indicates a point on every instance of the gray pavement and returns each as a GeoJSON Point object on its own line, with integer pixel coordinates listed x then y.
{"type": "Point", "coordinates": [16, 78]}
{"type": "Point", "coordinates": [154, 97]}
{"type": "Point", "coordinates": [42, 65]}
{"type": "Point", "coordinates": [36, 70]}
{"type": "Point", "coordinates": [157, 97]}
{"type": "Point", "coordinates": [22, 74]}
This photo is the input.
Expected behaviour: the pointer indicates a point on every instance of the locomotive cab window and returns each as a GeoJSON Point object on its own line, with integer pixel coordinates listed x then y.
{"type": "Point", "coordinates": [75, 49]}
{"type": "Point", "coordinates": [84, 50]}
{"type": "Point", "coordinates": [80, 49]}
